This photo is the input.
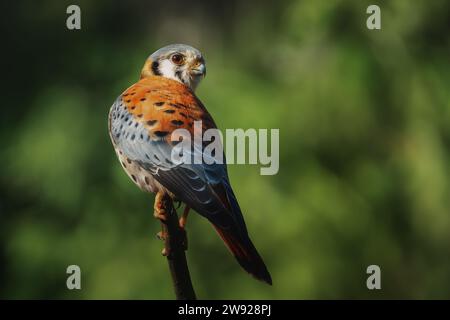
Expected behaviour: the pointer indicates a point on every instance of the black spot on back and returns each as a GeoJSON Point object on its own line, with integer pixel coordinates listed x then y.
{"type": "Point", "coordinates": [178, 105]}
{"type": "Point", "coordinates": [177, 122]}
{"type": "Point", "coordinates": [161, 134]}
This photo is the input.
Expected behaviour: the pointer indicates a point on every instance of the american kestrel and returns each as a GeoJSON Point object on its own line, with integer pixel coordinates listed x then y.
{"type": "Point", "coordinates": [141, 122]}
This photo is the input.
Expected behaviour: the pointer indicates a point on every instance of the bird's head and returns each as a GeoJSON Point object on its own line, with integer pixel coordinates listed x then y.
{"type": "Point", "coordinates": [179, 62]}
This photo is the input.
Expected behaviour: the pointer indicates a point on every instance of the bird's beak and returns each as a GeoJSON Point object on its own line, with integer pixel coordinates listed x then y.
{"type": "Point", "coordinates": [199, 70]}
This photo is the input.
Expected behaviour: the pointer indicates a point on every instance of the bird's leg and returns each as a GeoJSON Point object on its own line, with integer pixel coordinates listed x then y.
{"type": "Point", "coordinates": [183, 218]}
{"type": "Point", "coordinates": [159, 210]}
{"type": "Point", "coordinates": [182, 224]}
{"type": "Point", "coordinates": [172, 233]}
{"type": "Point", "coordinates": [160, 213]}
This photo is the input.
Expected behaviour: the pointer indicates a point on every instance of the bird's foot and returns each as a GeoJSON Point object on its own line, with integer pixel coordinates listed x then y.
{"type": "Point", "coordinates": [161, 214]}
{"type": "Point", "coordinates": [183, 218]}
{"type": "Point", "coordinates": [159, 211]}
{"type": "Point", "coordinates": [161, 236]}
{"type": "Point", "coordinates": [182, 222]}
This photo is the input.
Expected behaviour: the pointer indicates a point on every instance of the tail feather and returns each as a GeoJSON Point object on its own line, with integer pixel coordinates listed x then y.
{"type": "Point", "coordinates": [246, 254]}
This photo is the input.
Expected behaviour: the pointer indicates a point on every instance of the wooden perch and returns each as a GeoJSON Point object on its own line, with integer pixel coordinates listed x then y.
{"type": "Point", "coordinates": [175, 245]}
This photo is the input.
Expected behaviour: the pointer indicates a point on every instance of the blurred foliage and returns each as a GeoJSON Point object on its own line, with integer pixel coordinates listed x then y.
{"type": "Point", "coordinates": [364, 124]}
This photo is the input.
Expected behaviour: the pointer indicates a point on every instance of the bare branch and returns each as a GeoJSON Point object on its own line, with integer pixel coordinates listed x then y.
{"type": "Point", "coordinates": [175, 245]}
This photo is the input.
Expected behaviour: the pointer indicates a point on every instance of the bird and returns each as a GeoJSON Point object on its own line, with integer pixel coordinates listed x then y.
{"type": "Point", "coordinates": [141, 122]}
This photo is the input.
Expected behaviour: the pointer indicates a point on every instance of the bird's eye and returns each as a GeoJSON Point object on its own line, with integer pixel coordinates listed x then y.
{"type": "Point", "coordinates": [177, 58]}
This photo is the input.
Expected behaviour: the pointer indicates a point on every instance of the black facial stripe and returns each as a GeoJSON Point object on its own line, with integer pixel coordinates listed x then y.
{"type": "Point", "coordinates": [155, 68]}
{"type": "Point", "coordinates": [178, 75]}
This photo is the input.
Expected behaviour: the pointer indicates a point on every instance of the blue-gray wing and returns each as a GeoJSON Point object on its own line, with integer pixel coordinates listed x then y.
{"type": "Point", "coordinates": [203, 187]}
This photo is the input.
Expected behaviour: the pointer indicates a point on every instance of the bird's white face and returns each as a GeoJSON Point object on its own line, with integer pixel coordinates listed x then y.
{"type": "Point", "coordinates": [181, 63]}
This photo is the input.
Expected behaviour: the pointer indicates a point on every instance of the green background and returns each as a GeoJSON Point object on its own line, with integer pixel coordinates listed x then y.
{"type": "Point", "coordinates": [364, 123]}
